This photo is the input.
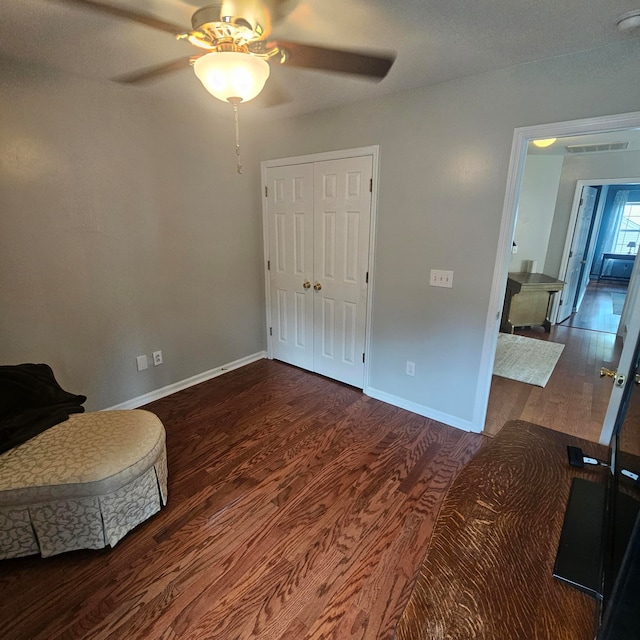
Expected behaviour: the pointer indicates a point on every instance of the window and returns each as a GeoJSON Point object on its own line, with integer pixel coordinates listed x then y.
{"type": "Point", "coordinates": [628, 237]}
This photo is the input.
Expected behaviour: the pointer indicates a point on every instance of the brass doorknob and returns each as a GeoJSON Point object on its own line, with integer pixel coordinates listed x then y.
{"type": "Point", "coordinates": [317, 286]}
{"type": "Point", "coordinates": [619, 379]}
{"type": "Point", "coordinates": [307, 285]}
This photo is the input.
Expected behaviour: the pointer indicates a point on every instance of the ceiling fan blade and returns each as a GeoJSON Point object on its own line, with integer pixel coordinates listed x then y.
{"type": "Point", "coordinates": [340, 60]}
{"type": "Point", "coordinates": [152, 73]}
{"type": "Point", "coordinates": [121, 12]}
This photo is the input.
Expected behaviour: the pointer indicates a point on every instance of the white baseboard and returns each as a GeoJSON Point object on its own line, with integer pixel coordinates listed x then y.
{"type": "Point", "coordinates": [389, 398]}
{"type": "Point", "coordinates": [134, 403]}
{"type": "Point", "coordinates": [421, 410]}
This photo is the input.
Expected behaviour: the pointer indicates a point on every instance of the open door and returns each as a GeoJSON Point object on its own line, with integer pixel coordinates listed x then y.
{"type": "Point", "coordinates": [624, 372]}
{"type": "Point", "coordinates": [577, 254]}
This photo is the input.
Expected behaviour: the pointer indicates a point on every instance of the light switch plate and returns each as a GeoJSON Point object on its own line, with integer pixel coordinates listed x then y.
{"type": "Point", "coordinates": [142, 363]}
{"type": "Point", "coordinates": [440, 278]}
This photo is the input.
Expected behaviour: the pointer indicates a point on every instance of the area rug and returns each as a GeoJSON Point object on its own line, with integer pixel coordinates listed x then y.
{"type": "Point", "coordinates": [525, 359]}
{"type": "Point", "coordinates": [617, 302]}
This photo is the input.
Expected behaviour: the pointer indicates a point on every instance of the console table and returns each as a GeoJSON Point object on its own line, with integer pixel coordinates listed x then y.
{"type": "Point", "coordinates": [627, 258]}
{"type": "Point", "coordinates": [528, 300]}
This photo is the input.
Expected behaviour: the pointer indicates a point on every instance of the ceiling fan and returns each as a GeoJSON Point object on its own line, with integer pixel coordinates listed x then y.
{"type": "Point", "coordinates": [236, 54]}
{"type": "Point", "coordinates": [236, 32]}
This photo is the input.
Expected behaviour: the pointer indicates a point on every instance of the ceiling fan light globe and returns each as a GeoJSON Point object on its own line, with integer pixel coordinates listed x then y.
{"type": "Point", "coordinates": [629, 21]}
{"type": "Point", "coordinates": [232, 74]}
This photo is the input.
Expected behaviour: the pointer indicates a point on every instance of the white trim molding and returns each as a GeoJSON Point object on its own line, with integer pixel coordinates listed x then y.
{"type": "Point", "coordinates": [134, 403]}
{"type": "Point", "coordinates": [420, 409]}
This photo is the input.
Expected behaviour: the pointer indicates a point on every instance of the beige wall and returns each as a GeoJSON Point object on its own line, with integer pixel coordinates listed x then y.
{"type": "Point", "coordinates": [536, 208]}
{"type": "Point", "coordinates": [123, 229]}
{"type": "Point", "coordinates": [444, 159]}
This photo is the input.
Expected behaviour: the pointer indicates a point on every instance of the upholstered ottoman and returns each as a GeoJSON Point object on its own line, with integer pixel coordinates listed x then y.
{"type": "Point", "coordinates": [82, 484]}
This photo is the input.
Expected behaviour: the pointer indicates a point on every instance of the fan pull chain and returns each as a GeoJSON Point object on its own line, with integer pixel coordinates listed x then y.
{"type": "Point", "coordinates": [237, 123]}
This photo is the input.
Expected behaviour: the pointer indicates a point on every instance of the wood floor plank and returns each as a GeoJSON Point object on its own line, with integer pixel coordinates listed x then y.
{"type": "Point", "coordinates": [575, 399]}
{"type": "Point", "coordinates": [298, 508]}
{"type": "Point", "coordinates": [488, 572]}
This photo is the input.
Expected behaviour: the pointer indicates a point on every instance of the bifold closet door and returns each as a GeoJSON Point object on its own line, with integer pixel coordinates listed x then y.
{"type": "Point", "coordinates": [342, 215]}
{"type": "Point", "coordinates": [319, 217]}
{"type": "Point", "coordinates": [290, 222]}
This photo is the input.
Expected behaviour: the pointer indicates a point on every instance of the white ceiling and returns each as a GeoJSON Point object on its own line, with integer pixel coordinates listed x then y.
{"type": "Point", "coordinates": [435, 40]}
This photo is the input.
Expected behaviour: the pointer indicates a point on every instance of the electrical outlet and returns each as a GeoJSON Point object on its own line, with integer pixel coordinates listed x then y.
{"type": "Point", "coordinates": [157, 358]}
{"type": "Point", "coordinates": [142, 363]}
{"type": "Point", "coordinates": [440, 278]}
{"type": "Point", "coordinates": [411, 368]}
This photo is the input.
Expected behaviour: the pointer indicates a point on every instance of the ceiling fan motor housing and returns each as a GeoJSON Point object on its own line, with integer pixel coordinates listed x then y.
{"type": "Point", "coordinates": [240, 21]}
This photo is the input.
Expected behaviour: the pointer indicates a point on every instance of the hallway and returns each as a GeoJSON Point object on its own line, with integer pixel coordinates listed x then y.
{"type": "Point", "coordinates": [576, 397]}
{"type": "Point", "coordinates": [598, 309]}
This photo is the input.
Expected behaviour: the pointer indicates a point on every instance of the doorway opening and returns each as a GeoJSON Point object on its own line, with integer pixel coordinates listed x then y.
{"type": "Point", "coordinates": [576, 398]}
{"type": "Point", "coordinates": [600, 253]}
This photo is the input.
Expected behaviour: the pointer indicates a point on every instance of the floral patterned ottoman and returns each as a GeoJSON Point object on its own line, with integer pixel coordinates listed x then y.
{"type": "Point", "coordinates": [82, 484]}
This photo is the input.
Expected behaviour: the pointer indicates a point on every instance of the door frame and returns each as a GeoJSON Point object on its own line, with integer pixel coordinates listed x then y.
{"type": "Point", "coordinates": [521, 138]}
{"type": "Point", "coordinates": [341, 154]}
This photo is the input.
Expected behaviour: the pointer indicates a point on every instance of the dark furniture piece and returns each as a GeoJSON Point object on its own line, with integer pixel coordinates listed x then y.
{"type": "Point", "coordinates": [620, 272]}
{"type": "Point", "coordinates": [487, 574]}
{"type": "Point", "coordinates": [528, 300]}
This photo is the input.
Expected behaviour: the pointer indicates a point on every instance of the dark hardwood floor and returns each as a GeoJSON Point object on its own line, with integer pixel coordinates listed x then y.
{"type": "Point", "coordinates": [597, 311]}
{"type": "Point", "coordinates": [298, 508]}
{"type": "Point", "coordinates": [489, 571]}
{"type": "Point", "coordinates": [576, 397]}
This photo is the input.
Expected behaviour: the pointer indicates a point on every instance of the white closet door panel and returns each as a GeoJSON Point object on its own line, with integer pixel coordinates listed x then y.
{"type": "Point", "coordinates": [290, 222]}
{"type": "Point", "coordinates": [342, 217]}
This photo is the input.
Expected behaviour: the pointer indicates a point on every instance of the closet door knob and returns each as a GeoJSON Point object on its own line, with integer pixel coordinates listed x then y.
{"type": "Point", "coordinates": [307, 285]}
{"type": "Point", "coordinates": [317, 286]}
